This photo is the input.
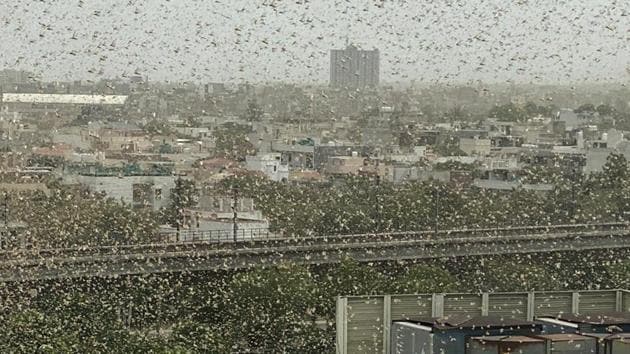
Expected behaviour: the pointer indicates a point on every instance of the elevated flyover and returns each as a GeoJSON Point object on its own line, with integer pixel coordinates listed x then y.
{"type": "Point", "coordinates": [225, 253]}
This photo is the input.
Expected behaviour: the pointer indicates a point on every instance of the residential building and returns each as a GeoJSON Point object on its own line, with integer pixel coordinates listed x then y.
{"type": "Point", "coordinates": [340, 165]}
{"type": "Point", "coordinates": [475, 146]}
{"type": "Point", "coordinates": [296, 155]}
{"type": "Point", "coordinates": [140, 191]}
{"type": "Point", "coordinates": [217, 213]}
{"type": "Point", "coordinates": [270, 164]}
{"type": "Point", "coordinates": [321, 153]}
{"type": "Point", "coordinates": [354, 68]}
{"type": "Point", "coordinates": [402, 173]}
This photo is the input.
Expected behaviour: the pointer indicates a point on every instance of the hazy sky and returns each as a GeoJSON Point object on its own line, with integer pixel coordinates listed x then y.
{"type": "Point", "coordinates": [427, 41]}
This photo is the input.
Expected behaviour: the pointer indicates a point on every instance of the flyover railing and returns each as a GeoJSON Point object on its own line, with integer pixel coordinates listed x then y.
{"type": "Point", "coordinates": [261, 239]}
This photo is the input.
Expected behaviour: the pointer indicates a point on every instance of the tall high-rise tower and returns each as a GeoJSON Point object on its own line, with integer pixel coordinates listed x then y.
{"type": "Point", "coordinates": [354, 68]}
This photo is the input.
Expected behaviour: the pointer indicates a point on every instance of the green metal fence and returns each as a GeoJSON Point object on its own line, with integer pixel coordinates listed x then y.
{"type": "Point", "coordinates": [363, 321]}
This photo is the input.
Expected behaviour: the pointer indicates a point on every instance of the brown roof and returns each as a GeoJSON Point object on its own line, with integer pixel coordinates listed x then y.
{"type": "Point", "coordinates": [508, 339]}
{"type": "Point", "coordinates": [610, 318]}
{"type": "Point", "coordinates": [465, 321]}
{"type": "Point", "coordinates": [218, 162]}
{"type": "Point", "coordinates": [560, 337]}
{"type": "Point", "coordinates": [306, 176]}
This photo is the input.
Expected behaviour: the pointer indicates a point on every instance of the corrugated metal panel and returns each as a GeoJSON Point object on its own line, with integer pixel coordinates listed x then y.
{"type": "Point", "coordinates": [508, 305]}
{"type": "Point", "coordinates": [552, 303]}
{"type": "Point", "coordinates": [462, 304]}
{"type": "Point", "coordinates": [405, 307]}
{"type": "Point", "coordinates": [625, 301]}
{"type": "Point", "coordinates": [597, 301]}
{"type": "Point", "coordinates": [365, 325]}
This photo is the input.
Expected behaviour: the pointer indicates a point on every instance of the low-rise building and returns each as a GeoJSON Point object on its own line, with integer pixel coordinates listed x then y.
{"type": "Point", "coordinates": [475, 146]}
{"type": "Point", "coordinates": [297, 155]}
{"type": "Point", "coordinates": [345, 165]}
{"type": "Point", "coordinates": [270, 164]}
{"type": "Point", "coordinates": [140, 191]}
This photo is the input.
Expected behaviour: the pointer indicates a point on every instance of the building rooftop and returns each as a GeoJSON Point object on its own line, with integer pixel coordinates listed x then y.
{"type": "Point", "coordinates": [63, 98]}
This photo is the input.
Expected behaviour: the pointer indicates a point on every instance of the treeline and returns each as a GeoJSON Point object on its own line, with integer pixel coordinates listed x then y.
{"type": "Point", "coordinates": [64, 217]}
{"type": "Point", "coordinates": [68, 218]}
{"type": "Point", "coordinates": [366, 205]}
{"type": "Point", "coordinates": [287, 308]}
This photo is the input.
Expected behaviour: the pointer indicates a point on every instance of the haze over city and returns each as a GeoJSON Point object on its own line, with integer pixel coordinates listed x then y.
{"type": "Point", "coordinates": [223, 41]}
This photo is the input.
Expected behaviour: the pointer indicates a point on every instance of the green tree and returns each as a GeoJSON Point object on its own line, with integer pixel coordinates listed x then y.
{"type": "Point", "coordinates": [199, 338]}
{"type": "Point", "coordinates": [615, 171]}
{"type": "Point", "coordinates": [619, 274]}
{"type": "Point", "coordinates": [33, 332]}
{"type": "Point", "coordinates": [605, 110]}
{"type": "Point", "coordinates": [508, 112]}
{"type": "Point", "coordinates": [45, 161]}
{"type": "Point", "coordinates": [64, 218]}
{"type": "Point", "coordinates": [448, 146]}
{"type": "Point", "coordinates": [353, 278]}
{"type": "Point", "coordinates": [424, 279]}
{"type": "Point", "coordinates": [157, 127]}
{"type": "Point", "coordinates": [511, 276]}
{"type": "Point", "coordinates": [272, 310]}
{"type": "Point", "coordinates": [184, 196]}
{"type": "Point", "coordinates": [455, 114]}
{"type": "Point", "coordinates": [254, 112]}
{"type": "Point", "coordinates": [232, 142]}
{"type": "Point", "coordinates": [586, 108]}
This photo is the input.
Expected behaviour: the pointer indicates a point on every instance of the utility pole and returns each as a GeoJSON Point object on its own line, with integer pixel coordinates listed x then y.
{"type": "Point", "coordinates": [179, 206]}
{"type": "Point", "coordinates": [378, 202]}
{"type": "Point", "coordinates": [573, 201]}
{"type": "Point", "coordinates": [437, 209]}
{"type": "Point", "coordinates": [5, 216]}
{"type": "Point", "coordinates": [235, 214]}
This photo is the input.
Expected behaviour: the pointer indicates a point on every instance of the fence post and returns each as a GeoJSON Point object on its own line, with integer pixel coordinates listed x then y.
{"type": "Point", "coordinates": [485, 304]}
{"type": "Point", "coordinates": [531, 306]}
{"type": "Point", "coordinates": [437, 305]}
{"type": "Point", "coordinates": [575, 302]}
{"type": "Point", "coordinates": [387, 319]}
